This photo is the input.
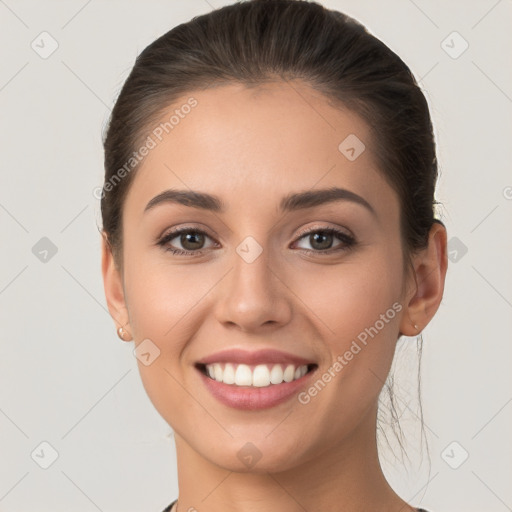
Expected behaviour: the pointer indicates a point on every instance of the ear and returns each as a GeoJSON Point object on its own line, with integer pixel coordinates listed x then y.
{"type": "Point", "coordinates": [113, 285]}
{"type": "Point", "coordinates": [430, 266]}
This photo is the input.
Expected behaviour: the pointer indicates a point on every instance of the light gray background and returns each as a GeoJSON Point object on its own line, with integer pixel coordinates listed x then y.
{"type": "Point", "coordinates": [65, 377]}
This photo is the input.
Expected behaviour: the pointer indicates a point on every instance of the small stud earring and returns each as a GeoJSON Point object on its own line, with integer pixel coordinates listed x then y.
{"type": "Point", "coordinates": [123, 334]}
{"type": "Point", "coordinates": [415, 326]}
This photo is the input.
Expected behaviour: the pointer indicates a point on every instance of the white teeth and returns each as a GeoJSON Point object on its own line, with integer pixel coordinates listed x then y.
{"type": "Point", "coordinates": [259, 376]}
{"type": "Point", "coordinates": [276, 374]}
{"type": "Point", "coordinates": [229, 374]}
{"type": "Point", "coordinates": [243, 375]}
{"type": "Point", "coordinates": [289, 373]}
{"type": "Point", "coordinates": [217, 370]}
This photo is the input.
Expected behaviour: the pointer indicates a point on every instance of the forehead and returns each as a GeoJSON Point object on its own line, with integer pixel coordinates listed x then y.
{"type": "Point", "coordinates": [269, 139]}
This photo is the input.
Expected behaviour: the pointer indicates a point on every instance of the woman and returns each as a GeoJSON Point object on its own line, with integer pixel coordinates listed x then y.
{"type": "Point", "coordinates": [268, 236]}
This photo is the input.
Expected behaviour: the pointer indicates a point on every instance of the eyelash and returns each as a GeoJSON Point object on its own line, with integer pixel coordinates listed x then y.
{"type": "Point", "coordinates": [348, 241]}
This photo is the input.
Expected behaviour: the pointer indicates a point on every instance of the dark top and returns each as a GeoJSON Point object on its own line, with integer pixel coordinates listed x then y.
{"type": "Point", "coordinates": [168, 509]}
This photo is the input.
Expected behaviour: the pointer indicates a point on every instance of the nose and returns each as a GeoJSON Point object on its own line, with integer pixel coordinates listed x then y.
{"type": "Point", "coordinates": [254, 295]}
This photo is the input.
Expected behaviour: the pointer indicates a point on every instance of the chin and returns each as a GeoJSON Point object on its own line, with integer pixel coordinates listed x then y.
{"type": "Point", "coordinates": [259, 456]}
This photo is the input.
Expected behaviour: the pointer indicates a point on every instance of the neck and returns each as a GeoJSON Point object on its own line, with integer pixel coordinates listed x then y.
{"type": "Point", "coordinates": [345, 477]}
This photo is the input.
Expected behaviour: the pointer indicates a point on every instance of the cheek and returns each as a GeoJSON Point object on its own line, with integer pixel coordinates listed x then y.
{"type": "Point", "coordinates": [357, 310]}
{"type": "Point", "coordinates": [165, 306]}
{"type": "Point", "coordinates": [347, 302]}
{"type": "Point", "coordinates": [352, 296]}
{"type": "Point", "coordinates": [161, 299]}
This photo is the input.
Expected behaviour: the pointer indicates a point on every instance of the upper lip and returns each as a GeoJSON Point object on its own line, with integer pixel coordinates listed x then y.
{"type": "Point", "coordinates": [255, 357]}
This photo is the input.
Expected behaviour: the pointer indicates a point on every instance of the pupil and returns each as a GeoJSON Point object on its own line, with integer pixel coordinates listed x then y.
{"type": "Point", "coordinates": [324, 245]}
{"type": "Point", "coordinates": [320, 240]}
{"type": "Point", "coordinates": [191, 238]}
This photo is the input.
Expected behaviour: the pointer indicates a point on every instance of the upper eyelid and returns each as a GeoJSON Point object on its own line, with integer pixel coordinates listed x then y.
{"type": "Point", "coordinates": [166, 237]}
{"type": "Point", "coordinates": [301, 232]}
{"type": "Point", "coordinates": [177, 231]}
{"type": "Point", "coordinates": [313, 229]}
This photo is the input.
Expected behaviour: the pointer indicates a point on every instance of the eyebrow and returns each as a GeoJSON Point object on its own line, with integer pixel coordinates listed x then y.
{"type": "Point", "coordinates": [291, 202]}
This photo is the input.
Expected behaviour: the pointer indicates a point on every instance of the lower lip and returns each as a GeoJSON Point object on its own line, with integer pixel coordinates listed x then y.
{"type": "Point", "coordinates": [253, 398]}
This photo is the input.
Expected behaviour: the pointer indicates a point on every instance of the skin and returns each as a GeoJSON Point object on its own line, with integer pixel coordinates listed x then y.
{"type": "Point", "coordinates": [251, 147]}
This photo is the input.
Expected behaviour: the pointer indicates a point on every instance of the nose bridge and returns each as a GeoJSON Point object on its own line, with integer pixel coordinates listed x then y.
{"type": "Point", "coordinates": [253, 294]}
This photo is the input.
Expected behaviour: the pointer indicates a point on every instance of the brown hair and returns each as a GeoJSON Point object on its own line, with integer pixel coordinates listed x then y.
{"type": "Point", "coordinates": [263, 40]}
{"type": "Point", "coordinates": [266, 40]}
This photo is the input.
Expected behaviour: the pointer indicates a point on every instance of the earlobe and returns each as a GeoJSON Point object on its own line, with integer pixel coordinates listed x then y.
{"type": "Point", "coordinates": [430, 267]}
{"type": "Point", "coordinates": [114, 291]}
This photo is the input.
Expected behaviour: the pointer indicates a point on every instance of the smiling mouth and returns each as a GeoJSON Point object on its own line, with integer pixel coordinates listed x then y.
{"type": "Point", "coordinates": [259, 376]}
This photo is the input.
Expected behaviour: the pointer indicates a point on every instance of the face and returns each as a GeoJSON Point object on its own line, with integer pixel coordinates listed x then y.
{"type": "Point", "coordinates": [261, 287]}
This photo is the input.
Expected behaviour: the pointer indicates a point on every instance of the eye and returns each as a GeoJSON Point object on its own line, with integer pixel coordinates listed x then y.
{"type": "Point", "coordinates": [322, 239]}
{"type": "Point", "coordinates": [191, 240]}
